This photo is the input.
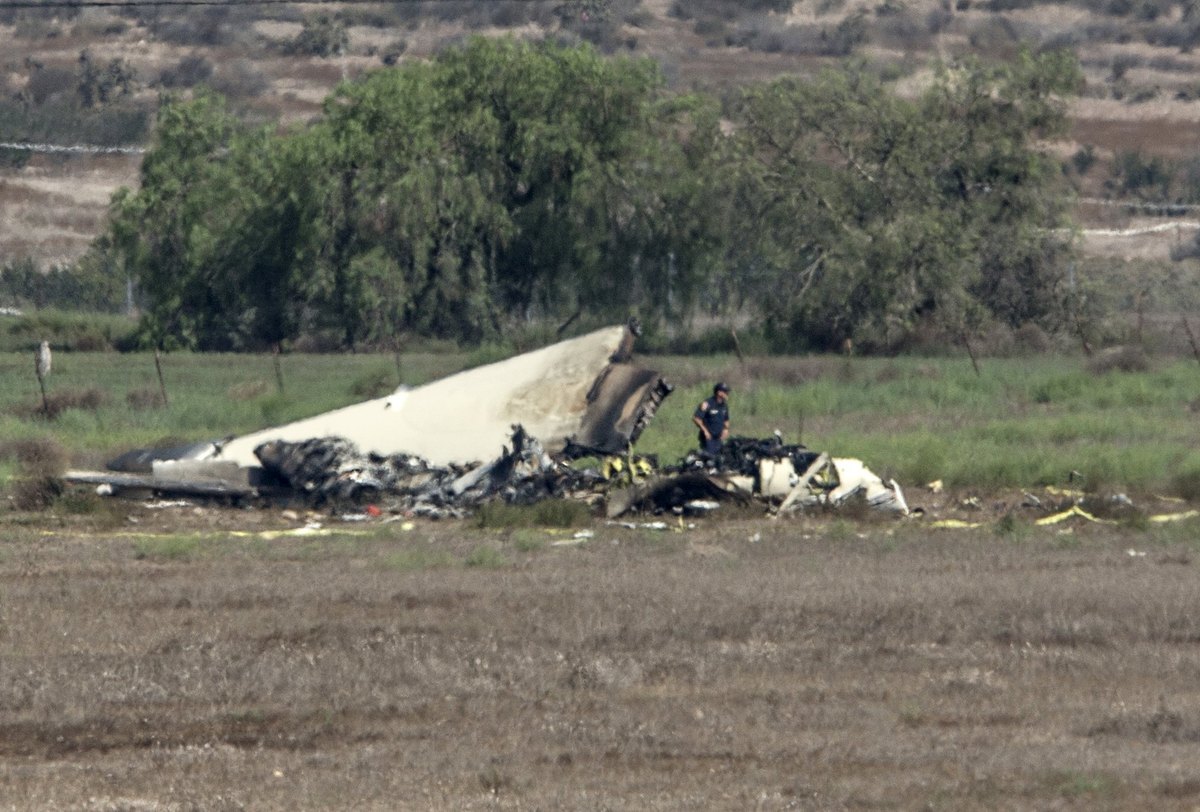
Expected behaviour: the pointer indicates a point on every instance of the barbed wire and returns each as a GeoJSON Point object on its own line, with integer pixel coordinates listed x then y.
{"type": "Point", "coordinates": [89, 149]}
{"type": "Point", "coordinates": [68, 4]}
{"type": "Point", "coordinates": [1177, 225]}
{"type": "Point", "coordinates": [1139, 204]}
{"type": "Point", "coordinates": [1158, 228]}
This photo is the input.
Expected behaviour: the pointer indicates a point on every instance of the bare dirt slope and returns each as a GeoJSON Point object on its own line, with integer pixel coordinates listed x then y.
{"type": "Point", "coordinates": [809, 664]}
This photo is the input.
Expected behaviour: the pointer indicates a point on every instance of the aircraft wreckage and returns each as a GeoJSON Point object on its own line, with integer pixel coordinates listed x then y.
{"type": "Point", "coordinates": [432, 450]}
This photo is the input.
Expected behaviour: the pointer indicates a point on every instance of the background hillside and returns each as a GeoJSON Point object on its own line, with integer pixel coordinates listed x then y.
{"type": "Point", "coordinates": [89, 79]}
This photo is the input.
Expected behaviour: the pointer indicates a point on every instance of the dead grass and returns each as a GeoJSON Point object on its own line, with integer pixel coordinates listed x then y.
{"type": "Point", "coordinates": [87, 399]}
{"type": "Point", "coordinates": [145, 399]}
{"type": "Point", "coordinates": [40, 466]}
{"type": "Point", "coordinates": [249, 390]}
{"type": "Point", "coordinates": [830, 664]}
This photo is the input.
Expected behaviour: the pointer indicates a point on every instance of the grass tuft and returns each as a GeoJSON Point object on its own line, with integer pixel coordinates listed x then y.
{"type": "Point", "coordinates": [1120, 359]}
{"type": "Point", "coordinates": [89, 399]}
{"type": "Point", "coordinates": [374, 382]}
{"type": "Point", "coordinates": [417, 560]}
{"type": "Point", "coordinates": [141, 400]}
{"type": "Point", "coordinates": [40, 465]}
{"type": "Point", "coordinates": [180, 547]}
{"type": "Point", "coordinates": [485, 557]}
{"type": "Point", "coordinates": [547, 513]}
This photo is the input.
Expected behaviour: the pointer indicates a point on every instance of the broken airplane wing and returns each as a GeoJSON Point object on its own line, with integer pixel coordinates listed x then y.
{"type": "Point", "coordinates": [583, 392]}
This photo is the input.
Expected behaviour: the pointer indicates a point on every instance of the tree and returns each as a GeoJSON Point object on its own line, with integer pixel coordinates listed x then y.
{"type": "Point", "coordinates": [213, 234]}
{"type": "Point", "coordinates": [877, 213]}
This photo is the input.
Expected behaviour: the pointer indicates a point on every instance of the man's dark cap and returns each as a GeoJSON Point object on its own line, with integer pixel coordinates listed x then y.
{"type": "Point", "coordinates": [721, 387]}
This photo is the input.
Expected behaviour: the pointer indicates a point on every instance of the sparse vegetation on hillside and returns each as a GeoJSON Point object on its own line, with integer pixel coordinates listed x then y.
{"type": "Point", "coordinates": [1133, 55]}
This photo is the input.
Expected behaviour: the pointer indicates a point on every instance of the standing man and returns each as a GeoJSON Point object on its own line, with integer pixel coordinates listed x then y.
{"type": "Point", "coordinates": [712, 418]}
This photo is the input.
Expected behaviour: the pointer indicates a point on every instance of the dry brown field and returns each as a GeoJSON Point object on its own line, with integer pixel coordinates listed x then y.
{"type": "Point", "coordinates": [152, 659]}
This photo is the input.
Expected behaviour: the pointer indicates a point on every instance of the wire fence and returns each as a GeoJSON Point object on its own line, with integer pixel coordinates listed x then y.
{"type": "Point", "coordinates": [1137, 231]}
{"type": "Point", "coordinates": [86, 149]}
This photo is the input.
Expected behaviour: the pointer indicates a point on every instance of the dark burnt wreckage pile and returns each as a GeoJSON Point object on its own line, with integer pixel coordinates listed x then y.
{"type": "Point", "coordinates": [331, 472]}
{"type": "Point", "coordinates": [512, 431]}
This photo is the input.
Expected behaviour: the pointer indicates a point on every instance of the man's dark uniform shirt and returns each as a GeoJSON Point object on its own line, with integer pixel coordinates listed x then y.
{"type": "Point", "coordinates": [714, 415]}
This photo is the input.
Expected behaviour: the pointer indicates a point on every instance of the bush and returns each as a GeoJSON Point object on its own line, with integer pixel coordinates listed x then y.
{"type": "Point", "coordinates": [141, 400]}
{"type": "Point", "coordinates": [374, 383]}
{"type": "Point", "coordinates": [88, 399]}
{"type": "Point", "coordinates": [192, 70]}
{"type": "Point", "coordinates": [485, 557]}
{"type": "Point", "coordinates": [322, 36]}
{"type": "Point", "coordinates": [393, 51]}
{"type": "Point", "coordinates": [82, 332]}
{"type": "Point", "coordinates": [41, 464]}
{"type": "Point", "coordinates": [1186, 483]}
{"type": "Point", "coordinates": [209, 26]}
{"type": "Point", "coordinates": [45, 83]}
{"type": "Point", "coordinates": [1119, 359]}
{"type": "Point", "coordinates": [240, 80]}
{"type": "Point", "coordinates": [546, 513]}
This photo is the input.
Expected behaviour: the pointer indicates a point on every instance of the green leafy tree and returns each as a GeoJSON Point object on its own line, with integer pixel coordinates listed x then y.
{"type": "Point", "coordinates": [168, 231]}
{"type": "Point", "coordinates": [395, 198]}
{"type": "Point", "coordinates": [213, 234]}
{"type": "Point", "coordinates": [510, 178]}
{"type": "Point", "coordinates": [875, 213]}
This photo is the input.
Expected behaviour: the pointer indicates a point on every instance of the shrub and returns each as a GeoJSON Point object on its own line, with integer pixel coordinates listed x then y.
{"type": "Point", "coordinates": [374, 382]}
{"type": "Point", "coordinates": [208, 26]}
{"type": "Point", "coordinates": [41, 463]}
{"type": "Point", "coordinates": [240, 80]}
{"type": "Point", "coordinates": [87, 399]}
{"type": "Point", "coordinates": [45, 83]}
{"type": "Point", "coordinates": [322, 36]}
{"type": "Point", "coordinates": [84, 286]}
{"type": "Point", "coordinates": [546, 513]}
{"type": "Point", "coordinates": [1186, 483]}
{"type": "Point", "coordinates": [192, 70]}
{"type": "Point", "coordinates": [485, 557]}
{"type": "Point", "coordinates": [141, 400]}
{"type": "Point", "coordinates": [69, 331]}
{"type": "Point", "coordinates": [1031, 339]}
{"type": "Point", "coordinates": [1119, 359]}
{"type": "Point", "coordinates": [393, 51]}
{"type": "Point", "coordinates": [101, 84]}
{"type": "Point", "coordinates": [1084, 159]}
{"type": "Point", "coordinates": [42, 455]}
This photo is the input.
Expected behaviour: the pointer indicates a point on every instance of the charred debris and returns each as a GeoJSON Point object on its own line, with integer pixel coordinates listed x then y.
{"type": "Point", "coordinates": [417, 451]}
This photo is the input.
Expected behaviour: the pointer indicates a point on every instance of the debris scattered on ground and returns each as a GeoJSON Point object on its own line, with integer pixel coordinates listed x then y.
{"type": "Point", "coordinates": [332, 471]}
{"type": "Point", "coordinates": [424, 451]}
{"type": "Point", "coordinates": [1074, 510]}
{"type": "Point", "coordinates": [515, 431]}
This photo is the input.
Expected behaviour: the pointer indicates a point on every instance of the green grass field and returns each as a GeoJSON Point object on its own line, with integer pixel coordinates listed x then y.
{"type": "Point", "coordinates": [1021, 423]}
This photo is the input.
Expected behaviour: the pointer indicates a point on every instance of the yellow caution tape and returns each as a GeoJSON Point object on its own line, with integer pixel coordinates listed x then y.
{"type": "Point", "coordinates": [955, 524]}
{"type": "Point", "coordinates": [1074, 510]}
{"type": "Point", "coordinates": [1175, 517]}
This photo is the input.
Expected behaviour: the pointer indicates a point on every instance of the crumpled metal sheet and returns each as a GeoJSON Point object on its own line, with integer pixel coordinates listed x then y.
{"type": "Point", "coordinates": [584, 394]}
{"type": "Point", "coordinates": [786, 477]}
{"type": "Point", "coordinates": [331, 471]}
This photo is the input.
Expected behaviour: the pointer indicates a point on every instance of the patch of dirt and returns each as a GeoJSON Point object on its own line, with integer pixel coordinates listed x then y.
{"type": "Point", "coordinates": [813, 662]}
